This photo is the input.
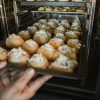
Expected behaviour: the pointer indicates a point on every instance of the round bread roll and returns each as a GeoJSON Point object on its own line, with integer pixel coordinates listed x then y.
{"type": "Point", "coordinates": [75, 26]}
{"type": "Point", "coordinates": [68, 51]}
{"type": "Point", "coordinates": [56, 42]}
{"type": "Point", "coordinates": [47, 27]}
{"type": "Point", "coordinates": [38, 61]}
{"type": "Point", "coordinates": [14, 41]}
{"type": "Point", "coordinates": [71, 35]}
{"type": "Point", "coordinates": [53, 25]}
{"type": "Point", "coordinates": [54, 20]}
{"type": "Point", "coordinates": [42, 36]}
{"type": "Point", "coordinates": [24, 34]}
{"type": "Point", "coordinates": [47, 8]}
{"type": "Point", "coordinates": [30, 46]}
{"type": "Point", "coordinates": [18, 56]}
{"type": "Point", "coordinates": [32, 30]}
{"type": "Point", "coordinates": [59, 29]}
{"type": "Point", "coordinates": [47, 50]}
{"type": "Point", "coordinates": [74, 43]}
{"type": "Point", "coordinates": [41, 9]}
{"type": "Point", "coordinates": [60, 36]}
{"type": "Point", "coordinates": [38, 25]}
{"type": "Point", "coordinates": [3, 54]}
{"type": "Point", "coordinates": [65, 23]}
{"type": "Point", "coordinates": [43, 21]}
{"type": "Point", "coordinates": [64, 64]}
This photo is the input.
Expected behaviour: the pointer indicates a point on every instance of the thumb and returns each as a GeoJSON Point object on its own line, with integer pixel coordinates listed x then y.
{"type": "Point", "coordinates": [3, 64]}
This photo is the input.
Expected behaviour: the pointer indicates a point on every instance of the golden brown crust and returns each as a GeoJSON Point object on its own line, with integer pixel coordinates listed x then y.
{"type": "Point", "coordinates": [3, 54]}
{"type": "Point", "coordinates": [14, 41]}
{"type": "Point", "coordinates": [30, 46]}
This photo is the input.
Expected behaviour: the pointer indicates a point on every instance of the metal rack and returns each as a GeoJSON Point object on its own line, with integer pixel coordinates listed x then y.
{"type": "Point", "coordinates": [87, 18]}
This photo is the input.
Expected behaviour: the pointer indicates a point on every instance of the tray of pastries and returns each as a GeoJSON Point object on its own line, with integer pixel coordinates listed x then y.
{"type": "Point", "coordinates": [61, 9]}
{"type": "Point", "coordinates": [50, 46]}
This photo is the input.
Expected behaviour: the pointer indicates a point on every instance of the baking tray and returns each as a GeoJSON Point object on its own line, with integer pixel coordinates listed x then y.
{"type": "Point", "coordinates": [53, 3]}
{"type": "Point", "coordinates": [78, 74]}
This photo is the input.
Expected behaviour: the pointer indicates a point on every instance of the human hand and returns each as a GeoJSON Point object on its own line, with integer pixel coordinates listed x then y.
{"type": "Point", "coordinates": [23, 89]}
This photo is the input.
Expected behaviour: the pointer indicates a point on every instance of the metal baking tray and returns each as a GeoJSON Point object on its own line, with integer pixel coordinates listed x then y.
{"type": "Point", "coordinates": [53, 3]}
{"type": "Point", "coordinates": [81, 72]}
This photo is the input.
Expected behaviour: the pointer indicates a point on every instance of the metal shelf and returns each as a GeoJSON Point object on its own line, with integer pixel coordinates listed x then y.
{"type": "Point", "coordinates": [52, 12]}
{"type": "Point", "coordinates": [67, 13]}
{"type": "Point", "coordinates": [49, 3]}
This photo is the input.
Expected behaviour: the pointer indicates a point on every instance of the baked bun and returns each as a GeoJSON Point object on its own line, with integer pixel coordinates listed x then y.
{"type": "Point", "coordinates": [60, 36]}
{"type": "Point", "coordinates": [24, 34]}
{"type": "Point", "coordinates": [65, 23]}
{"type": "Point", "coordinates": [38, 61]}
{"type": "Point", "coordinates": [48, 8]}
{"type": "Point", "coordinates": [53, 25]}
{"type": "Point", "coordinates": [54, 20]}
{"type": "Point", "coordinates": [3, 54]}
{"type": "Point", "coordinates": [71, 35]}
{"type": "Point", "coordinates": [59, 29]}
{"type": "Point", "coordinates": [64, 64]}
{"type": "Point", "coordinates": [75, 26]}
{"type": "Point", "coordinates": [47, 50]}
{"type": "Point", "coordinates": [74, 43]}
{"type": "Point", "coordinates": [38, 25]}
{"type": "Point", "coordinates": [32, 30]}
{"type": "Point", "coordinates": [41, 9]}
{"type": "Point", "coordinates": [42, 36]}
{"type": "Point", "coordinates": [43, 21]}
{"type": "Point", "coordinates": [47, 27]}
{"type": "Point", "coordinates": [68, 51]}
{"type": "Point", "coordinates": [56, 42]}
{"type": "Point", "coordinates": [18, 56]}
{"type": "Point", "coordinates": [30, 46]}
{"type": "Point", "coordinates": [14, 41]}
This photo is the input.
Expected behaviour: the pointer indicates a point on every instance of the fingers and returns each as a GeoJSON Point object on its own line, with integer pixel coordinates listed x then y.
{"type": "Point", "coordinates": [34, 86]}
{"type": "Point", "coordinates": [3, 64]}
{"type": "Point", "coordinates": [21, 83]}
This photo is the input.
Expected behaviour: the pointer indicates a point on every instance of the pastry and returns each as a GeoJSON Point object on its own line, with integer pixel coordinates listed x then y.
{"type": "Point", "coordinates": [78, 0]}
{"type": "Point", "coordinates": [53, 25]}
{"type": "Point", "coordinates": [65, 23]}
{"type": "Point", "coordinates": [56, 42]}
{"type": "Point", "coordinates": [60, 36]}
{"type": "Point", "coordinates": [41, 9]}
{"type": "Point", "coordinates": [42, 36]}
{"type": "Point", "coordinates": [32, 30]}
{"type": "Point", "coordinates": [24, 34]}
{"type": "Point", "coordinates": [18, 56]}
{"type": "Point", "coordinates": [14, 41]}
{"type": "Point", "coordinates": [38, 61]}
{"type": "Point", "coordinates": [30, 46]}
{"type": "Point", "coordinates": [75, 26]}
{"type": "Point", "coordinates": [3, 54]}
{"type": "Point", "coordinates": [63, 0]}
{"type": "Point", "coordinates": [47, 50]}
{"type": "Point", "coordinates": [38, 25]}
{"type": "Point", "coordinates": [74, 43]}
{"type": "Point", "coordinates": [54, 20]}
{"type": "Point", "coordinates": [59, 29]}
{"type": "Point", "coordinates": [48, 8]}
{"type": "Point", "coordinates": [43, 21]}
{"type": "Point", "coordinates": [71, 35]}
{"type": "Point", "coordinates": [47, 28]}
{"type": "Point", "coordinates": [64, 64]}
{"type": "Point", "coordinates": [68, 51]}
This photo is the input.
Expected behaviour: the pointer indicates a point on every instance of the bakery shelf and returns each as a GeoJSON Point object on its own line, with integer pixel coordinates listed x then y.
{"type": "Point", "coordinates": [68, 13]}
{"type": "Point", "coordinates": [49, 3]}
{"type": "Point", "coordinates": [52, 12]}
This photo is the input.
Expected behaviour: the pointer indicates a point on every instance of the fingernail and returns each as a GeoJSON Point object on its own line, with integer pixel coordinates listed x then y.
{"type": "Point", "coordinates": [30, 71]}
